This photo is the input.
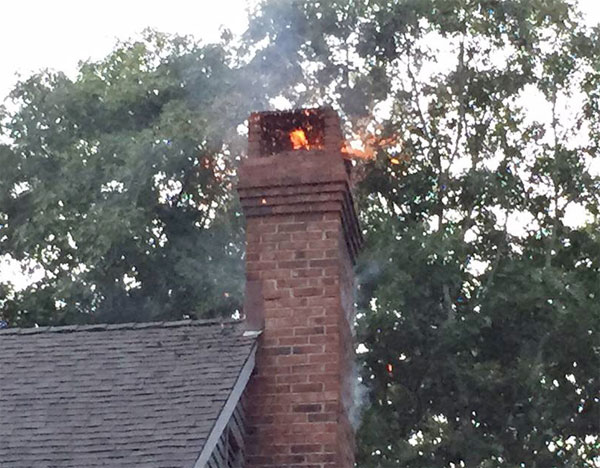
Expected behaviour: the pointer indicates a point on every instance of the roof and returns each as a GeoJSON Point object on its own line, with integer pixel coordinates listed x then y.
{"type": "Point", "coordinates": [128, 395]}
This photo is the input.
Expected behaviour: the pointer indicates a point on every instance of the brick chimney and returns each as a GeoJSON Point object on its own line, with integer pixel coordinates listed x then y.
{"type": "Point", "coordinates": [302, 238]}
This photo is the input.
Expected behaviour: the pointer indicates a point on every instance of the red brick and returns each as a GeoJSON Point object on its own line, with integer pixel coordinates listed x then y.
{"type": "Point", "coordinates": [323, 357]}
{"type": "Point", "coordinates": [293, 340]}
{"type": "Point", "coordinates": [307, 349]}
{"type": "Point", "coordinates": [323, 320]}
{"type": "Point", "coordinates": [293, 264]}
{"type": "Point", "coordinates": [293, 302]}
{"type": "Point", "coordinates": [310, 291]}
{"type": "Point", "coordinates": [265, 228]}
{"type": "Point", "coordinates": [331, 417]}
{"type": "Point", "coordinates": [292, 378]}
{"type": "Point", "coordinates": [253, 257]}
{"type": "Point", "coordinates": [277, 255]}
{"type": "Point", "coordinates": [283, 370]}
{"type": "Point", "coordinates": [307, 273]}
{"type": "Point", "coordinates": [306, 448]}
{"type": "Point", "coordinates": [319, 339]}
{"type": "Point", "coordinates": [331, 302]}
{"type": "Point", "coordinates": [312, 254]}
{"type": "Point", "coordinates": [280, 312]}
{"type": "Point", "coordinates": [293, 283]}
{"type": "Point", "coordinates": [311, 236]}
{"type": "Point", "coordinates": [275, 237]}
{"type": "Point", "coordinates": [308, 368]}
{"type": "Point", "coordinates": [293, 245]}
{"type": "Point", "coordinates": [309, 217]}
{"type": "Point", "coordinates": [323, 226]}
{"type": "Point", "coordinates": [293, 359]}
{"type": "Point", "coordinates": [309, 330]}
{"type": "Point", "coordinates": [293, 227]}
{"type": "Point", "coordinates": [308, 408]}
{"type": "Point", "coordinates": [275, 274]}
{"type": "Point", "coordinates": [284, 332]}
{"type": "Point", "coordinates": [252, 266]}
{"type": "Point", "coordinates": [324, 263]}
{"type": "Point", "coordinates": [307, 387]}
{"type": "Point", "coordinates": [278, 350]}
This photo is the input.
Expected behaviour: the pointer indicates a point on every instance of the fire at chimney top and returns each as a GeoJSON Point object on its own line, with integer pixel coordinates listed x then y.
{"type": "Point", "coordinates": [278, 132]}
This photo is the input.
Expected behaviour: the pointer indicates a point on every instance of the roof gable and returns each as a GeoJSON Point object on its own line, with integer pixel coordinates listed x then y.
{"type": "Point", "coordinates": [116, 395]}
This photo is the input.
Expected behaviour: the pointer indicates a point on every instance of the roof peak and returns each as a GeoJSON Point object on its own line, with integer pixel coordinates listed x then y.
{"type": "Point", "coordinates": [118, 326]}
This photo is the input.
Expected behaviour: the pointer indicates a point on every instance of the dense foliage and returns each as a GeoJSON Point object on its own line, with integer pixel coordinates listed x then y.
{"type": "Point", "coordinates": [111, 184]}
{"type": "Point", "coordinates": [480, 286]}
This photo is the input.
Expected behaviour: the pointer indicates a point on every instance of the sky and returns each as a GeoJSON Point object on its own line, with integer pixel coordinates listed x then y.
{"type": "Point", "coordinates": [57, 34]}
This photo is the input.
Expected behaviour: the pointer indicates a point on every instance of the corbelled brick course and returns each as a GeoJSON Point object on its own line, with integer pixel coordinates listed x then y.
{"type": "Point", "coordinates": [302, 238]}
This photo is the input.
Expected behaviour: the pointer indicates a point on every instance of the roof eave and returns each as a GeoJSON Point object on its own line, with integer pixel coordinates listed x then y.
{"type": "Point", "coordinates": [227, 411]}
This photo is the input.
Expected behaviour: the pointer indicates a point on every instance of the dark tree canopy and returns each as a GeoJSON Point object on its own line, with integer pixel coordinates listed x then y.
{"type": "Point", "coordinates": [112, 183]}
{"type": "Point", "coordinates": [479, 290]}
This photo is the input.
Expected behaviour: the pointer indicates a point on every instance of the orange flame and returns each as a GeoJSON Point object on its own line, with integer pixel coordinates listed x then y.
{"type": "Point", "coordinates": [298, 139]}
{"type": "Point", "coordinates": [351, 152]}
{"type": "Point", "coordinates": [369, 143]}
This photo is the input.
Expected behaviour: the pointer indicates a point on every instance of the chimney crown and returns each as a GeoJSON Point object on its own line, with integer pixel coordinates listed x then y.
{"type": "Point", "coordinates": [271, 133]}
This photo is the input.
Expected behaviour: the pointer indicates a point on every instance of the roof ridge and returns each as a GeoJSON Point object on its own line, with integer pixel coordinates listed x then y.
{"type": "Point", "coordinates": [118, 326]}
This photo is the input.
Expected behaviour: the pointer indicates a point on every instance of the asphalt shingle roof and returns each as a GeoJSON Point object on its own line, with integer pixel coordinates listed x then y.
{"type": "Point", "coordinates": [132, 395]}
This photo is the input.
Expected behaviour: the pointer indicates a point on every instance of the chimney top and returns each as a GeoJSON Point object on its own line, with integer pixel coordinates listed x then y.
{"type": "Point", "coordinates": [278, 178]}
{"type": "Point", "coordinates": [283, 132]}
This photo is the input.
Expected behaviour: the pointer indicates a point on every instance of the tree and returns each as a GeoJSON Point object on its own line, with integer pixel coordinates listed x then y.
{"type": "Point", "coordinates": [479, 295]}
{"type": "Point", "coordinates": [118, 186]}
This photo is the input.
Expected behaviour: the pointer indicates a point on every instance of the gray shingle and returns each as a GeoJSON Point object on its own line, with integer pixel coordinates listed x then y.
{"type": "Point", "coordinates": [115, 395]}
